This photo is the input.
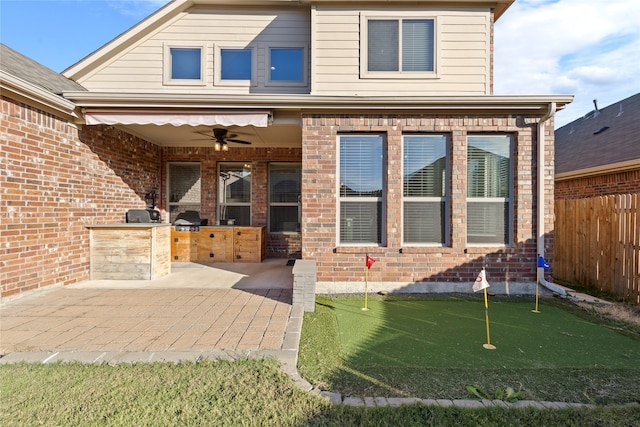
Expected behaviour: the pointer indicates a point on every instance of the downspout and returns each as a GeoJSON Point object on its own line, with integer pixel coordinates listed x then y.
{"type": "Point", "coordinates": [541, 202]}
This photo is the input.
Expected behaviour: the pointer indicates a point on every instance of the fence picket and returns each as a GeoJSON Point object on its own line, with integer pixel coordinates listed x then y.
{"type": "Point", "coordinates": [597, 243]}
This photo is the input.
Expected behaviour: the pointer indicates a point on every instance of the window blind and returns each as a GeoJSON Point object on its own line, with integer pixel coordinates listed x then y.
{"type": "Point", "coordinates": [361, 188]}
{"type": "Point", "coordinates": [424, 188]}
{"type": "Point", "coordinates": [489, 168]}
{"type": "Point", "coordinates": [417, 45]}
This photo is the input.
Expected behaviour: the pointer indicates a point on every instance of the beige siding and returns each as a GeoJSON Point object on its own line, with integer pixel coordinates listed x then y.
{"type": "Point", "coordinates": [140, 67]}
{"type": "Point", "coordinates": [462, 54]}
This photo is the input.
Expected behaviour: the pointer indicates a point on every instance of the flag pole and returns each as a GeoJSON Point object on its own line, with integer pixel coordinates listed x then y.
{"type": "Point", "coordinates": [366, 286]}
{"type": "Point", "coordinates": [537, 285]}
{"type": "Point", "coordinates": [488, 345]}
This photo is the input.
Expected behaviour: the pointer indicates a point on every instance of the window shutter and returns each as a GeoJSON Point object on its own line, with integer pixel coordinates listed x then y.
{"type": "Point", "coordinates": [417, 45]}
{"type": "Point", "coordinates": [382, 45]}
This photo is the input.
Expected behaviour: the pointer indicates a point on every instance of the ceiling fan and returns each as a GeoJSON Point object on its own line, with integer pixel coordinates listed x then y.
{"type": "Point", "coordinates": [222, 138]}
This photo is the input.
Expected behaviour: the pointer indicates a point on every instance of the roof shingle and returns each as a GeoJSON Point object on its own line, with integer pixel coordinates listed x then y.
{"type": "Point", "coordinates": [605, 136]}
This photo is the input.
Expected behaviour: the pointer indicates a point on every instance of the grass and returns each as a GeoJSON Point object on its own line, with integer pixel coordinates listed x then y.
{"type": "Point", "coordinates": [242, 393]}
{"type": "Point", "coordinates": [431, 347]}
{"type": "Point", "coordinates": [256, 393]}
{"type": "Point", "coordinates": [206, 393]}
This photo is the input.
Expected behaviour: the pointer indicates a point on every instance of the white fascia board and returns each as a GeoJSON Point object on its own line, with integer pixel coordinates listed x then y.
{"type": "Point", "coordinates": [599, 170]}
{"type": "Point", "coordinates": [534, 103]}
{"type": "Point", "coordinates": [94, 59]}
{"type": "Point", "coordinates": [12, 85]}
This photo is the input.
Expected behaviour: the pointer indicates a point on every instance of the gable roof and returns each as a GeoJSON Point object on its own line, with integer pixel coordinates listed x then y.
{"type": "Point", "coordinates": [30, 71]}
{"type": "Point", "coordinates": [603, 138]}
{"type": "Point", "coordinates": [176, 7]}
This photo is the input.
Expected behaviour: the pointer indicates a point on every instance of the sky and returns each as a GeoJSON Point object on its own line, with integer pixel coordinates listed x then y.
{"type": "Point", "coordinates": [586, 48]}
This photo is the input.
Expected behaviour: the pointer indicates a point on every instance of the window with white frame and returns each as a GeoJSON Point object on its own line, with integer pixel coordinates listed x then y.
{"type": "Point", "coordinates": [284, 197]}
{"type": "Point", "coordinates": [234, 193]}
{"type": "Point", "coordinates": [287, 65]}
{"type": "Point", "coordinates": [398, 47]}
{"type": "Point", "coordinates": [183, 65]}
{"type": "Point", "coordinates": [236, 66]}
{"type": "Point", "coordinates": [425, 183]}
{"type": "Point", "coordinates": [489, 189]}
{"type": "Point", "coordinates": [183, 188]}
{"type": "Point", "coordinates": [362, 189]}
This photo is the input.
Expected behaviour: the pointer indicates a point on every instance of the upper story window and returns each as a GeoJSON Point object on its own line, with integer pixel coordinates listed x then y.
{"type": "Point", "coordinates": [398, 47]}
{"type": "Point", "coordinates": [236, 66]}
{"type": "Point", "coordinates": [287, 65]}
{"type": "Point", "coordinates": [183, 65]}
{"type": "Point", "coordinates": [489, 189]}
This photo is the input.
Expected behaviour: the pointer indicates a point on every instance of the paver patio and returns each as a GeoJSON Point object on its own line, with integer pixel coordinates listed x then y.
{"type": "Point", "coordinates": [197, 308]}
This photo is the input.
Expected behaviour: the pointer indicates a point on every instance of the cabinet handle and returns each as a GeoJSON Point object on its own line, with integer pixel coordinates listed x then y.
{"type": "Point", "coordinates": [211, 235]}
{"type": "Point", "coordinates": [239, 233]}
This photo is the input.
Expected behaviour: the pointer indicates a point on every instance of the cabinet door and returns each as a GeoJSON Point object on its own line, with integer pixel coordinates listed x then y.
{"type": "Point", "coordinates": [182, 246]}
{"type": "Point", "coordinates": [215, 245]}
{"type": "Point", "coordinates": [247, 244]}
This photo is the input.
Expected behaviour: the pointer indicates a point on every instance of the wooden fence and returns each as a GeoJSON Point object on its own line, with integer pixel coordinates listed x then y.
{"type": "Point", "coordinates": [597, 243]}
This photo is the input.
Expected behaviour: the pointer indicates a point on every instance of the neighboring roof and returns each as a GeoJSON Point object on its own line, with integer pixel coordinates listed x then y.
{"type": "Point", "coordinates": [30, 71]}
{"type": "Point", "coordinates": [603, 138]}
{"type": "Point", "coordinates": [176, 7]}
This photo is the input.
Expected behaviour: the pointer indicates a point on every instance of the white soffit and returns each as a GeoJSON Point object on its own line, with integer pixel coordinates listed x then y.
{"type": "Point", "coordinates": [258, 119]}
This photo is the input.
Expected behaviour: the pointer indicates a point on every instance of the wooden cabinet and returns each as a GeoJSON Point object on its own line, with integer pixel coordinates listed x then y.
{"type": "Point", "coordinates": [249, 244]}
{"type": "Point", "coordinates": [129, 251]}
{"type": "Point", "coordinates": [214, 245]}
{"type": "Point", "coordinates": [219, 244]}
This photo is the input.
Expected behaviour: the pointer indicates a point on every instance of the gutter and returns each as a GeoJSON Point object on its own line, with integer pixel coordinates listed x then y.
{"type": "Point", "coordinates": [540, 220]}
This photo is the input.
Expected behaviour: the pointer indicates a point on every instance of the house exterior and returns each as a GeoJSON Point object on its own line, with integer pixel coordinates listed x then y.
{"type": "Point", "coordinates": [599, 154]}
{"type": "Point", "coordinates": [346, 128]}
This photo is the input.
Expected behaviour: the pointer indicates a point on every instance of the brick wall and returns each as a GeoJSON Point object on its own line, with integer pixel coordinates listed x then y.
{"type": "Point", "coordinates": [395, 263]}
{"type": "Point", "coordinates": [278, 245]}
{"type": "Point", "coordinates": [54, 179]}
{"type": "Point", "coordinates": [627, 182]}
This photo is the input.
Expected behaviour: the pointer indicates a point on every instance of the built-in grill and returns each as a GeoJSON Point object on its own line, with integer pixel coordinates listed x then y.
{"type": "Point", "coordinates": [143, 216]}
{"type": "Point", "coordinates": [189, 221]}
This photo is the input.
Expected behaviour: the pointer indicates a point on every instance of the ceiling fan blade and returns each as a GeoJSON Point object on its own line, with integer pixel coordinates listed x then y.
{"type": "Point", "coordinates": [238, 141]}
{"type": "Point", "coordinates": [204, 133]}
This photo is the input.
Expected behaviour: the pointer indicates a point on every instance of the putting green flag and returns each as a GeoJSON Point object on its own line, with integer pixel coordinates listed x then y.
{"type": "Point", "coordinates": [481, 282]}
{"type": "Point", "coordinates": [368, 261]}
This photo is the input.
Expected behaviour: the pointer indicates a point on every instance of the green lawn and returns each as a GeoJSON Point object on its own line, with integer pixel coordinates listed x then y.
{"type": "Point", "coordinates": [569, 356]}
{"type": "Point", "coordinates": [241, 393]}
{"type": "Point", "coordinates": [431, 347]}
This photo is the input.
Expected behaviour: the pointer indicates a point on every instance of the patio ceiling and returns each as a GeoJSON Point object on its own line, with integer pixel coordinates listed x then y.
{"type": "Point", "coordinates": [283, 132]}
{"type": "Point", "coordinates": [276, 135]}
